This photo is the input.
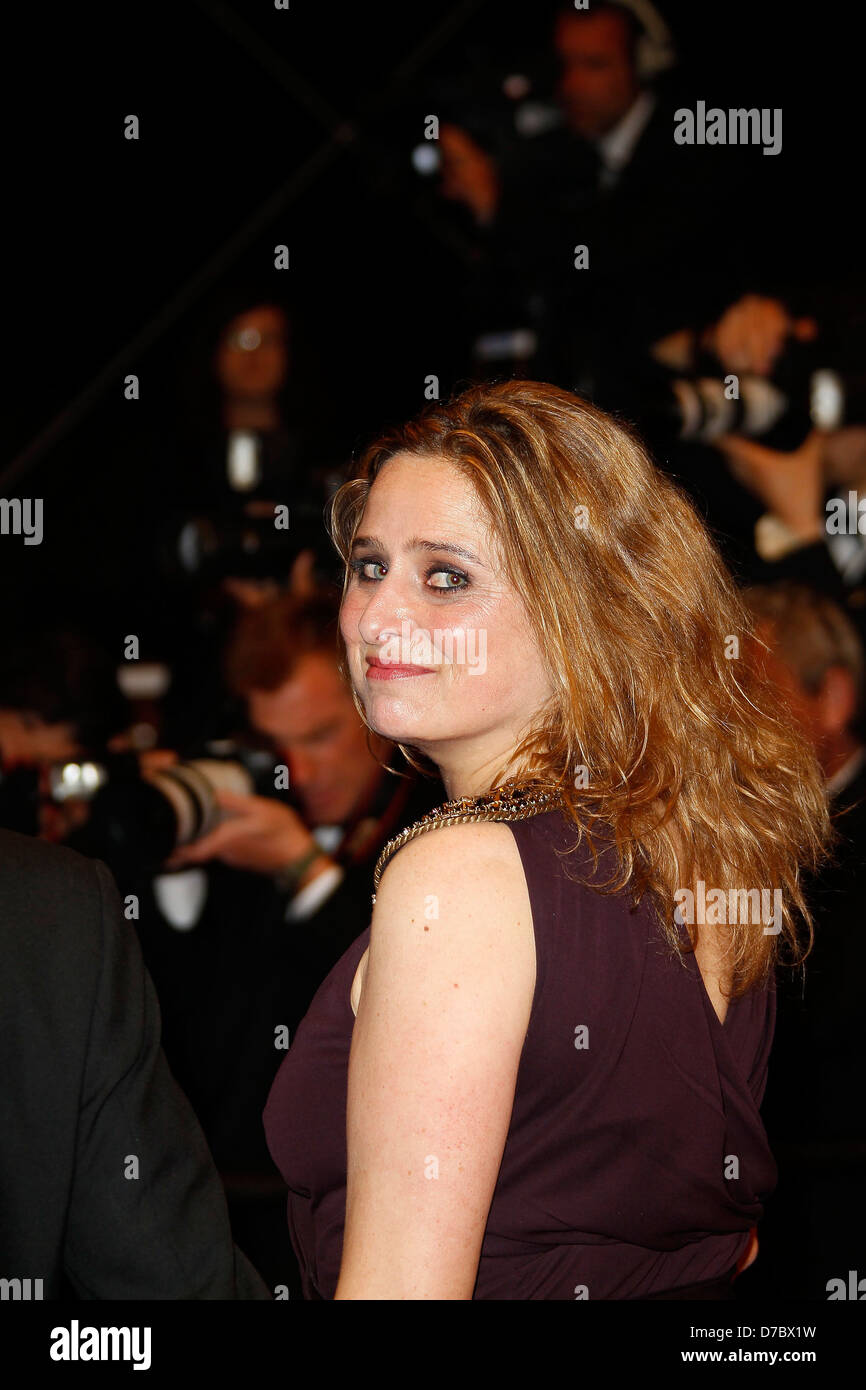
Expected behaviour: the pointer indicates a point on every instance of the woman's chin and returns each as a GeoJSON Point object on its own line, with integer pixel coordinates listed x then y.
{"type": "Point", "coordinates": [396, 725]}
{"type": "Point", "coordinates": [397, 730]}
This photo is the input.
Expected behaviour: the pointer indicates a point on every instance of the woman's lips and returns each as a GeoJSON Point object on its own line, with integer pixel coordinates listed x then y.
{"type": "Point", "coordinates": [390, 671]}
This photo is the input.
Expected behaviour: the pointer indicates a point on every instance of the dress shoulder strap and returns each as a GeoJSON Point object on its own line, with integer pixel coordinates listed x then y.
{"type": "Point", "coordinates": [504, 804]}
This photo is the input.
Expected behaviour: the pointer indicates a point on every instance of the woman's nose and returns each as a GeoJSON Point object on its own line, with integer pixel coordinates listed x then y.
{"type": "Point", "coordinates": [388, 607]}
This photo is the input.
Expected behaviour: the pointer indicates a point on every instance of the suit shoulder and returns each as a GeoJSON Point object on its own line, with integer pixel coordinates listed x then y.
{"type": "Point", "coordinates": [42, 883]}
{"type": "Point", "coordinates": [25, 852]}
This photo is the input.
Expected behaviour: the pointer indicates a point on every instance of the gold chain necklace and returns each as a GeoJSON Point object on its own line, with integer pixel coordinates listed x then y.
{"type": "Point", "coordinates": [503, 804]}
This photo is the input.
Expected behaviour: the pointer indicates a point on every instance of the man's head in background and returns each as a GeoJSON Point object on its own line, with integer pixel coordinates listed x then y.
{"type": "Point", "coordinates": [816, 659]}
{"type": "Point", "coordinates": [597, 52]}
{"type": "Point", "coordinates": [283, 661]}
{"type": "Point", "coordinates": [251, 359]}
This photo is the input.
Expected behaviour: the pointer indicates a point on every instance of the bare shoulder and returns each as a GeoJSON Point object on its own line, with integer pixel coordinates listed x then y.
{"type": "Point", "coordinates": [440, 1026]}
{"type": "Point", "coordinates": [471, 861]}
{"type": "Point", "coordinates": [457, 894]}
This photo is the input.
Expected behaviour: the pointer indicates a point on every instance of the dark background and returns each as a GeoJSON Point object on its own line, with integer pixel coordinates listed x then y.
{"type": "Point", "coordinates": [109, 239]}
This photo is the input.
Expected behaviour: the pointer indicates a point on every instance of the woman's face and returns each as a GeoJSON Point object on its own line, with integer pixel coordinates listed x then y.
{"type": "Point", "coordinates": [440, 648]}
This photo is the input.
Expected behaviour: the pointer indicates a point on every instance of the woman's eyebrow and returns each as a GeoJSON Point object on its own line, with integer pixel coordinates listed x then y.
{"type": "Point", "coordinates": [418, 543]}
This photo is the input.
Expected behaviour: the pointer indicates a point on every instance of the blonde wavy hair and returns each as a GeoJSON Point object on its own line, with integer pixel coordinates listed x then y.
{"type": "Point", "coordinates": [693, 768]}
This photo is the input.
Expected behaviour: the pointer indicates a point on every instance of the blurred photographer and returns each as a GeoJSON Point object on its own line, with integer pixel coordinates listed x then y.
{"type": "Point", "coordinates": [782, 397]}
{"type": "Point", "coordinates": [596, 231]}
{"type": "Point", "coordinates": [245, 458]}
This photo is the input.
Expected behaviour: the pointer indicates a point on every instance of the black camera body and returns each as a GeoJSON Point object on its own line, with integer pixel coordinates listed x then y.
{"type": "Point", "coordinates": [140, 817]}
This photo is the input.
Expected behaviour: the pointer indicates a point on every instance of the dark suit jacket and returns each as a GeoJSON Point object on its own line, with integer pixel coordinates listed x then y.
{"type": "Point", "coordinates": [87, 1099]}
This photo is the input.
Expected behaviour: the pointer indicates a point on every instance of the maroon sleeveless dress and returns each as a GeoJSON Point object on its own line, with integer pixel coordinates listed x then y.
{"type": "Point", "coordinates": [636, 1159]}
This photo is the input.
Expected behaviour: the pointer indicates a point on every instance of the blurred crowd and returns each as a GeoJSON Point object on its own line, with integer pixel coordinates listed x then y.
{"type": "Point", "coordinates": [211, 753]}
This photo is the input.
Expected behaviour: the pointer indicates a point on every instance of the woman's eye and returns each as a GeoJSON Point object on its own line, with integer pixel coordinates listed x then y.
{"type": "Point", "coordinates": [449, 575]}
{"type": "Point", "coordinates": [361, 566]}
{"type": "Point", "coordinates": [444, 581]}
